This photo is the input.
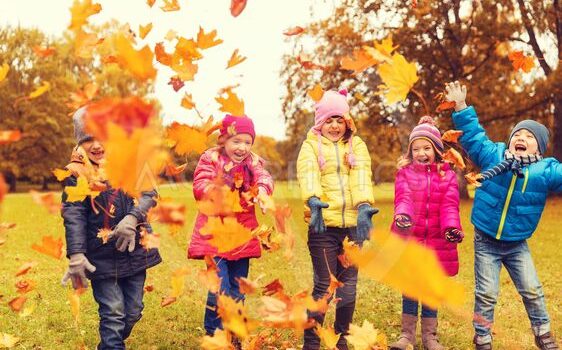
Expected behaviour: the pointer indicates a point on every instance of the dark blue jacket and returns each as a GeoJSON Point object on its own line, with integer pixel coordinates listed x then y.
{"type": "Point", "coordinates": [82, 224]}
{"type": "Point", "coordinates": [505, 207]}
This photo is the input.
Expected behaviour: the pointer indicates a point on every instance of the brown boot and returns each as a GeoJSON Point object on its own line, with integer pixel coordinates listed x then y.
{"type": "Point", "coordinates": [408, 335]}
{"type": "Point", "coordinates": [429, 334]}
{"type": "Point", "coordinates": [546, 342]}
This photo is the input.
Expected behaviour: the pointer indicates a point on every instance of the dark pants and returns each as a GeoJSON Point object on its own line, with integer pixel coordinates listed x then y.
{"type": "Point", "coordinates": [410, 307]}
{"type": "Point", "coordinates": [120, 308]}
{"type": "Point", "coordinates": [324, 250]}
{"type": "Point", "coordinates": [229, 271]}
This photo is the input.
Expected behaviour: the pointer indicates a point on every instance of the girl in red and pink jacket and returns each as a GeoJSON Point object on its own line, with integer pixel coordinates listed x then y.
{"type": "Point", "coordinates": [233, 164]}
{"type": "Point", "coordinates": [426, 209]}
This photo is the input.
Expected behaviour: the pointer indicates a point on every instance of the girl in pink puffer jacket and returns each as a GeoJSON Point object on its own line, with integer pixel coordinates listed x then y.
{"type": "Point", "coordinates": [233, 164]}
{"type": "Point", "coordinates": [426, 208]}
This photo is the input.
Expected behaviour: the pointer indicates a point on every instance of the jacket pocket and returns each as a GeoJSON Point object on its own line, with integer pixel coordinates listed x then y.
{"type": "Point", "coordinates": [488, 199]}
{"type": "Point", "coordinates": [528, 209]}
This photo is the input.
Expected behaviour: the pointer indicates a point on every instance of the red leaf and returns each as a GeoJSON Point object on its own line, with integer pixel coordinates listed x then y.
{"type": "Point", "coordinates": [176, 83]}
{"type": "Point", "coordinates": [446, 105]}
{"type": "Point", "coordinates": [237, 6]}
{"type": "Point", "coordinates": [294, 31]}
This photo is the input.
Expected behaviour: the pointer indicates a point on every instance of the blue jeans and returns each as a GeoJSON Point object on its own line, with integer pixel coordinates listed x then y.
{"type": "Point", "coordinates": [324, 251]}
{"type": "Point", "coordinates": [489, 255]}
{"type": "Point", "coordinates": [229, 271]}
{"type": "Point", "coordinates": [410, 307]}
{"type": "Point", "coordinates": [120, 308]}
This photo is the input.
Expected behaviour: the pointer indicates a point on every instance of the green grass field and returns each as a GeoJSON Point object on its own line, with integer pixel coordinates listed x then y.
{"type": "Point", "coordinates": [179, 326]}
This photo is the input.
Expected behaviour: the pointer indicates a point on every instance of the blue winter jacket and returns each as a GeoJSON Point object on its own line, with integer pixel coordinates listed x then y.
{"type": "Point", "coordinates": [505, 207]}
{"type": "Point", "coordinates": [82, 224]}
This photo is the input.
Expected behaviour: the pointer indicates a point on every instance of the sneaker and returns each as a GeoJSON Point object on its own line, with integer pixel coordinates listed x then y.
{"type": "Point", "coordinates": [546, 342]}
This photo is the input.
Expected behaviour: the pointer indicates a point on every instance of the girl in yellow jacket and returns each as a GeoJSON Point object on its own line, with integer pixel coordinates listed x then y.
{"type": "Point", "coordinates": [334, 172]}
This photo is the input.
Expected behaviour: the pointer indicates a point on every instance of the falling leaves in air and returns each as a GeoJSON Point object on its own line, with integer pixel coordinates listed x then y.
{"type": "Point", "coordinates": [398, 76]}
{"type": "Point", "coordinates": [231, 104]}
{"type": "Point", "coordinates": [454, 157]}
{"type": "Point", "coordinates": [316, 93]}
{"type": "Point", "coordinates": [520, 61]}
{"type": "Point", "coordinates": [49, 246]}
{"type": "Point", "coordinates": [235, 59]}
{"type": "Point", "coordinates": [294, 31]}
{"type": "Point", "coordinates": [237, 6]}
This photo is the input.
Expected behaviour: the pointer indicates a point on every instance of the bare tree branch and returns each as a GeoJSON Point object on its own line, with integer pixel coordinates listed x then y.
{"type": "Point", "coordinates": [517, 112]}
{"type": "Point", "coordinates": [532, 38]}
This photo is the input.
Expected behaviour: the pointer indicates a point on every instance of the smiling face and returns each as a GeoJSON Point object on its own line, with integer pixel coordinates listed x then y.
{"type": "Point", "coordinates": [238, 147]}
{"type": "Point", "coordinates": [334, 128]}
{"type": "Point", "coordinates": [422, 151]}
{"type": "Point", "coordinates": [523, 143]}
{"type": "Point", "coordinates": [94, 150]}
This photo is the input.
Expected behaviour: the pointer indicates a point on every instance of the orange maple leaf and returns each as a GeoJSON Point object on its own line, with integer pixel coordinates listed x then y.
{"type": "Point", "coordinates": [187, 101]}
{"type": "Point", "coordinates": [168, 213]}
{"type": "Point", "coordinates": [328, 336]}
{"type": "Point", "coordinates": [47, 200]}
{"type": "Point", "coordinates": [294, 31]}
{"type": "Point", "coordinates": [235, 59]}
{"type": "Point", "coordinates": [220, 200]}
{"type": "Point", "coordinates": [150, 3]}
{"type": "Point", "coordinates": [210, 276]}
{"type": "Point", "coordinates": [316, 93]}
{"type": "Point", "coordinates": [360, 61]}
{"type": "Point", "coordinates": [452, 136]}
{"type": "Point", "coordinates": [104, 233]}
{"type": "Point", "coordinates": [227, 233]}
{"type": "Point", "coordinates": [205, 41]}
{"type": "Point", "coordinates": [454, 157]}
{"type": "Point", "coordinates": [133, 162]}
{"type": "Point", "coordinates": [25, 286]}
{"type": "Point", "coordinates": [85, 43]}
{"type": "Point", "coordinates": [8, 136]}
{"type": "Point", "coordinates": [80, 11]}
{"type": "Point", "coordinates": [144, 30]}
{"type": "Point", "coordinates": [170, 5]}
{"type": "Point", "coordinates": [43, 52]}
{"type": "Point", "coordinates": [188, 49]}
{"type": "Point", "coordinates": [184, 68]}
{"type": "Point", "coordinates": [49, 246]}
{"type": "Point", "coordinates": [25, 268]}
{"type": "Point", "coordinates": [139, 63]}
{"type": "Point", "coordinates": [162, 56]}
{"type": "Point", "coordinates": [129, 113]}
{"type": "Point", "coordinates": [520, 61]}
{"type": "Point", "coordinates": [237, 6]}
{"type": "Point", "coordinates": [149, 240]}
{"type": "Point", "coordinates": [82, 97]}
{"type": "Point", "coordinates": [232, 104]}
{"type": "Point", "coordinates": [234, 316]}
{"type": "Point", "coordinates": [445, 106]}
{"type": "Point", "coordinates": [186, 139]}
{"type": "Point", "coordinates": [174, 170]}
{"type": "Point", "coordinates": [17, 303]}
{"type": "Point", "coordinates": [472, 178]}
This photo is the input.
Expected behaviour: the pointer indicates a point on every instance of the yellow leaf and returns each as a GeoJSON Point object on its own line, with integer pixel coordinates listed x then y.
{"type": "Point", "coordinates": [396, 263]}
{"type": "Point", "coordinates": [205, 41]}
{"type": "Point", "coordinates": [227, 233]}
{"type": "Point", "coordinates": [328, 336]}
{"type": "Point", "coordinates": [85, 44]}
{"type": "Point", "coordinates": [185, 69]}
{"type": "Point", "coordinates": [219, 341]}
{"type": "Point", "coordinates": [80, 11]}
{"type": "Point", "coordinates": [316, 93]}
{"type": "Point", "coordinates": [170, 5]}
{"type": "Point", "coordinates": [46, 86]}
{"type": "Point", "coordinates": [171, 35]}
{"type": "Point", "coordinates": [187, 101]}
{"type": "Point", "coordinates": [104, 233]}
{"type": "Point", "coordinates": [386, 47]}
{"type": "Point", "coordinates": [178, 282]}
{"type": "Point", "coordinates": [134, 161]}
{"type": "Point", "coordinates": [234, 316]}
{"type": "Point", "coordinates": [80, 191]}
{"type": "Point", "coordinates": [399, 76]}
{"type": "Point", "coordinates": [139, 63]}
{"type": "Point", "coordinates": [74, 299]}
{"type": "Point", "coordinates": [150, 3]}
{"type": "Point", "coordinates": [232, 104]}
{"type": "Point", "coordinates": [220, 201]}
{"type": "Point", "coordinates": [360, 61]}
{"type": "Point", "coordinates": [28, 310]}
{"type": "Point", "coordinates": [144, 30]}
{"type": "Point", "coordinates": [187, 49]}
{"type": "Point", "coordinates": [4, 69]}
{"type": "Point", "coordinates": [61, 174]}
{"type": "Point", "coordinates": [235, 59]}
{"type": "Point", "coordinates": [365, 337]}
{"type": "Point", "coordinates": [186, 138]}
{"type": "Point", "coordinates": [210, 277]}
{"type": "Point", "coordinates": [8, 340]}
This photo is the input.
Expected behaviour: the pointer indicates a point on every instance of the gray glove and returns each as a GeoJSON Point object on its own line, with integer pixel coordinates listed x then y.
{"type": "Point", "coordinates": [125, 231]}
{"type": "Point", "coordinates": [316, 220]}
{"type": "Point", "coordinates": [456, 93]}
{"type": "Point", "coordinates": [77, 271]}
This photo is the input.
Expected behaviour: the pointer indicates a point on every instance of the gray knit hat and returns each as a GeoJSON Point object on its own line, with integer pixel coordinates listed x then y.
{"type": "Point", "coordinates": [79, 128]}
{"type": "Point", "coordinates": [537, 129]}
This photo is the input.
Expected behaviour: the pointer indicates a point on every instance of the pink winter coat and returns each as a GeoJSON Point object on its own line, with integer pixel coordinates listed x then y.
{"type": "Point", "coordinates": [211, 163]}
{"type": "Point", "coordinates": [430, 196]}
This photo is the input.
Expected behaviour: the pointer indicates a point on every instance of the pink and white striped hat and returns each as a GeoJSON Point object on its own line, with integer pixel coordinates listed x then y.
{"type": "Point", "coordinates": [426, 129]}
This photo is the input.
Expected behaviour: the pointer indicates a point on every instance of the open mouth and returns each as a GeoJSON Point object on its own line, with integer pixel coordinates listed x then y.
{"type": "Point", "coordinates": [520, 148]}
{"type": "Point", "coordinates": [97, 154]}
{"type": "Point", "coordinates": [424, 160]}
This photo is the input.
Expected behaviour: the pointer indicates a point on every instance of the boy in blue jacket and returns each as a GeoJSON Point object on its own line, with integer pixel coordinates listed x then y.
{"type": "Point", "coordinates": [117, 267]}
{"type": "Point", "coordinates": [507, 208]}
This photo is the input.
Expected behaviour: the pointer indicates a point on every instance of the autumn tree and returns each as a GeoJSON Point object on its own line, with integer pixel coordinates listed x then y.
{"type": "Point", "coordinates": [449, 40]}
{"type": "Point", "coordinates": [46, 121]}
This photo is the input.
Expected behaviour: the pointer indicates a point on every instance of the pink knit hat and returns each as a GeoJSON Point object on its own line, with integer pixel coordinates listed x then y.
{"type": "Point", "coordinates": [427, 130]}
{"type": "Point", "coordinates": [232, 125]}
{"type": "Point", "coordinates": [332, 104]}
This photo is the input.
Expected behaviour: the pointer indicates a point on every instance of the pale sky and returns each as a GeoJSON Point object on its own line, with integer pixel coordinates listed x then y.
{"type": "Point", "coordinates": [257, 33]}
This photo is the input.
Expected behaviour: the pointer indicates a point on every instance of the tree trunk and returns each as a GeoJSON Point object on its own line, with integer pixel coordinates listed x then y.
{"type": "Point", "coordinates": [11, 181]}
{"type": "Point", "coordinates": [45, 186]}
{"type": "Point", "coordinates": [556, 145]}
{"type": "Point", "coordinates": [463, 191]}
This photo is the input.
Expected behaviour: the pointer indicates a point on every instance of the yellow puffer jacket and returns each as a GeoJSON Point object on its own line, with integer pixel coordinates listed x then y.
{"type": "Point", "coordinates": [339, 185]}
